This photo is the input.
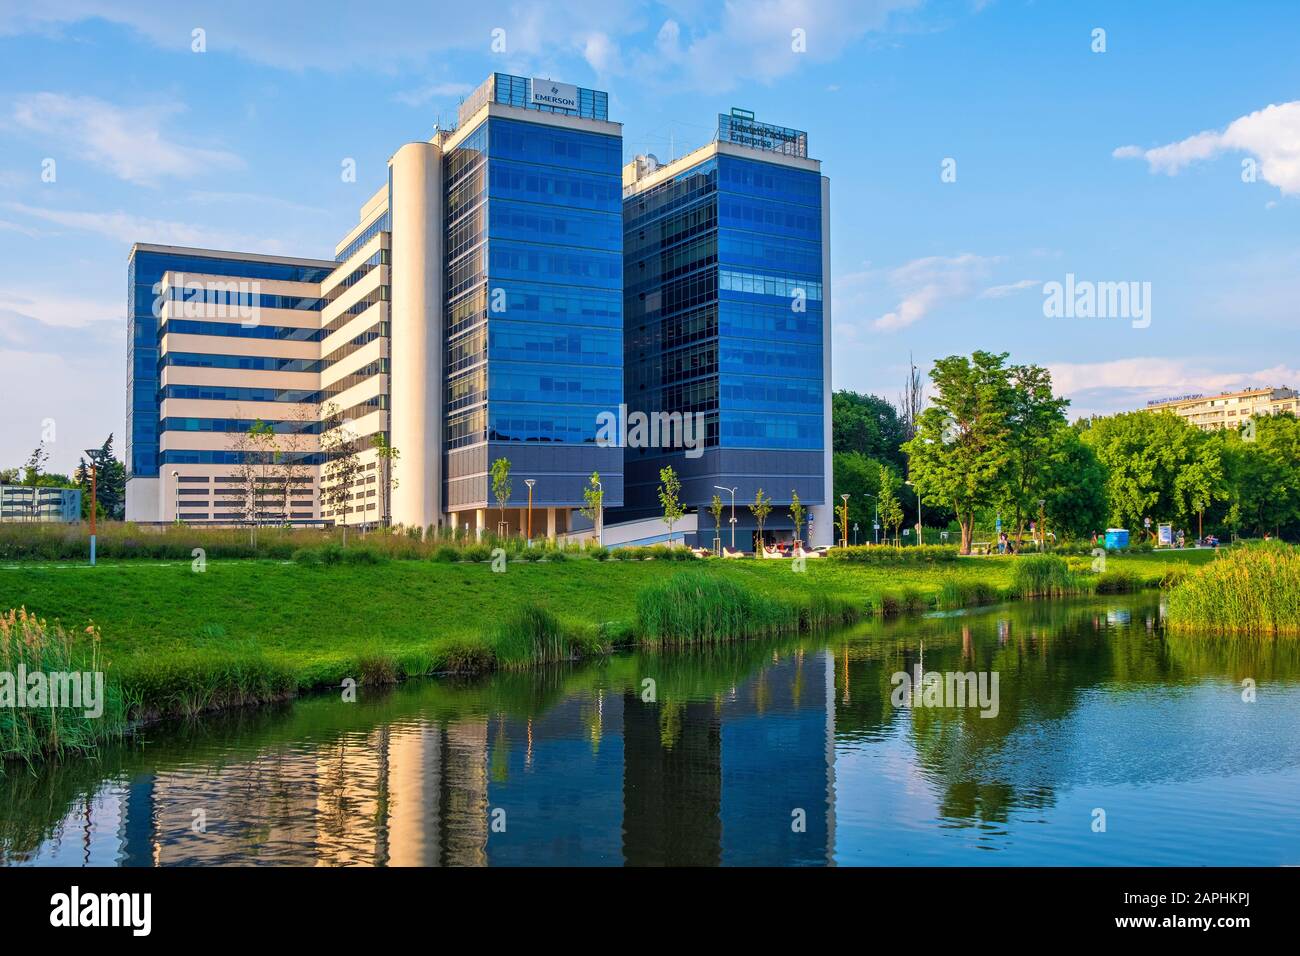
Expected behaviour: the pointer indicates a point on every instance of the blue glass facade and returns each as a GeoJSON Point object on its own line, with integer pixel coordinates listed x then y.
{"type": "Point", "coordinates": [534, 347]}
{"type": "Point", "coordinates": [723, 302]}
{"type": "Point", "coordinates": [143, 395]}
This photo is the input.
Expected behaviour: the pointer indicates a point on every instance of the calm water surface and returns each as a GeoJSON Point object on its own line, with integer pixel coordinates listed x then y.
{"type": "Point", "coordinates": [765, 753]}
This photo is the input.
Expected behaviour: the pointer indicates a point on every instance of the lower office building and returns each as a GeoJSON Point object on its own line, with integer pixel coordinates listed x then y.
{"type": "Point", "coordinates": [476, 312]}
{"type": "Point", "coordinates": [42, 503]}
{"type": "Point", "coordinates": [727, 323]}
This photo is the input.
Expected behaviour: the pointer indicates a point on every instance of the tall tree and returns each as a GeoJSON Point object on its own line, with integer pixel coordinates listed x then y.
{"type": "Point", "coordinates": [891, 508]}
{"type": "Point", "coordinates": [911, 402]}
{"type": "Point", "coordinates": [1033, 420]}
{"type": "Point", "coordinates": [963, 445]}
{"type": "Point", "coordinates": [1158, 466]}
{"type": "Point", "coordinates": [866, 425]}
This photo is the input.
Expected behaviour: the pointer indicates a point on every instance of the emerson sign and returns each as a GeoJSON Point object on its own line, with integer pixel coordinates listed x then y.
{"type": "Point", "coordinates": [562, 96]}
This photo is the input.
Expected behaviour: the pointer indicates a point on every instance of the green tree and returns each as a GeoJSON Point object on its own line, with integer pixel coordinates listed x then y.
{"type": "Point", "coordinates": [891, 508]}
{"type": "Point", "coordinates": [867, 425]}
{"type": "Point", "coordinates": [670, 488]}
{"type": "Point", "coordinates": [257, 454]}
{"type": "Point", "coordinates": [501, 487]}
{"type": "Point", "coordinates": [110, 482]}
{"type": "Point", "coordinates": [859, 477]}
{"type": "Point", "coordinates": [387, 456]}
{"type": "Point", "coordinates": [1073, 486]}
{"type": "Point", "coordinates": [32, 472]}
{"type": "Point", "coordinates": [593, 497]}
{"type": "Point", "coordinates": [760, 509]}
{"type": "Point", "coordinates": [1263, 466]}
{"type": "Point", "coordinates": [1034, 420]}
{"type": "Point", "coordinates": [797, 512]}
{"type": "Point", "coordinates": [715, 509]}
{"type": "Point", "coordinates": [342, 466]}
{"type": "Point", "coordinates": [962, 447]}
{"type": "Point", "coordinates": [1158, 465]}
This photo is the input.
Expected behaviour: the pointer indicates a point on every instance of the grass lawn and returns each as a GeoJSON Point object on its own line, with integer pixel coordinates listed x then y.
{"type": "Point", "coordinates": [180, 641]}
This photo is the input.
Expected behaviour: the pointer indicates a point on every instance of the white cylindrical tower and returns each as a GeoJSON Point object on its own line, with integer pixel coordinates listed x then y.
{"type": "Point", "coordinates": [416, 343]}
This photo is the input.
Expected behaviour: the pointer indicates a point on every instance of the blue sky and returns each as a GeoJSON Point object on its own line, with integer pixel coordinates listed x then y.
{"type": "Point", "coordinates": [1117, 166]}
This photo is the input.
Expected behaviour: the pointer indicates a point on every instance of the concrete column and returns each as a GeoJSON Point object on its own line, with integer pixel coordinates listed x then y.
{"type": "Point", "coordinates": [480, 523]}
{"type": "Point", "coordinates": [416, 349]}
{"type": "Point", "coordinates": [550, 523]}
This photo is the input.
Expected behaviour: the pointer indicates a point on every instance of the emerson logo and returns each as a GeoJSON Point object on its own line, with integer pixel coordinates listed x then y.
{"type": "Point", "coordinates": [102, 909]}
{"type": "Point", "coordinates": [558, 95]}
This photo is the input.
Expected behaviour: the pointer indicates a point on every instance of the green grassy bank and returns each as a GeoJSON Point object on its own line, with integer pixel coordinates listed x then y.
{"type": "Point", "coordinates": [178, 641]}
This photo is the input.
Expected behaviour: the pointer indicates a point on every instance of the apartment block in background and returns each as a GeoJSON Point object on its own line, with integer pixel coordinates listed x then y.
{"type": "Point", "coordinates": [1229, 409]}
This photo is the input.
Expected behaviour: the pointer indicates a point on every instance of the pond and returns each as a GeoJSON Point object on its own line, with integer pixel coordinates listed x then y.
{"type": "Point", "coordinates": [1086, 736]}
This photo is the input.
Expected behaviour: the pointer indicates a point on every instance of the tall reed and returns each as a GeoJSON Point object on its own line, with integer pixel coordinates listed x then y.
{"type": "Point", "coordinates": [1248, 590]}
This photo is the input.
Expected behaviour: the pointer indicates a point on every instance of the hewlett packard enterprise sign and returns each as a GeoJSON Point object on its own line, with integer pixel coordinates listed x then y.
{"type": "Point", "coordinates": [563, 96]}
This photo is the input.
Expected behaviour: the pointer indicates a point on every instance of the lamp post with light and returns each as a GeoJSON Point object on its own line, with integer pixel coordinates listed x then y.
{"type": "Point", "coordinates": [530, 482]}
{"type": "Point", "coordinates": [733, 513]}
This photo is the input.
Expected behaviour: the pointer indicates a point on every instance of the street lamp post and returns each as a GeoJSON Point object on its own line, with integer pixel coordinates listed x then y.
{"type": "Point", "coordinates": [855, 534]}
{"type": "Point", "coordinates": [845, 537]}
{"type": "Point", "coordinates": [94, 498]}
{"type": "Point", "coordinates": [600, 517]}
{"type": "Point", "coordinates": [530, 482]}
{"type": "Point", "coordinates": [733, 513]}
{"type": "Point", "coordinates": [1042, 529]}
{"type": "Point", "coordinates": [176, 496]}
{"type": "Point", "coordinates": [919, 532]}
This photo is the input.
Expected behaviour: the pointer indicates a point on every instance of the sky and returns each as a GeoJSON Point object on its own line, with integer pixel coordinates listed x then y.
{"type": "Point", "coordinates": [979, 152]}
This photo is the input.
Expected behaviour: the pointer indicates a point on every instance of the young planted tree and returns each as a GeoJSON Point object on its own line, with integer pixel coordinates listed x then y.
{"type": "Point", "coordinates": [962, 447]}
{"type": "Point", "coordinates": [797, 512]}
{"type": "Point", "coordinates": [760, 509]}
{"type": "Point", "coordinates": [258, 458]}
{"type": "Point", "coordinates": [501, 488]}
{"type": "Point", "coordinates": [33, 467]}
{"type": "Point", "coordinates": [291, 471]}
{"type": "Point", "coordinates": [715, 509]}
{"type": "Point", "coordinates": [387, 455]}
{"type": "Point", "coordinates": [342, 466]}
{"type": "Point", "coordinates": [891, 508]}
{"type": "Point", "coordinates": [594, 497]}
{"type": "Point", "coordinates": [670, 488]}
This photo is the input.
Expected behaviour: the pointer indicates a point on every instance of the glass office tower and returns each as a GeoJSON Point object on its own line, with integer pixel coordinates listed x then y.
{"type": "Point", "coordinates": [534, 347]}
{"type": "Point", "coordinates": [726, 253]}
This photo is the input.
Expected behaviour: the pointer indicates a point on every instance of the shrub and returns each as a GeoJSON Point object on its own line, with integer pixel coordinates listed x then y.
{"type": "Point", "coordinates": [888, 554]}
{"type": "Point", "coordinates": [446, 553]}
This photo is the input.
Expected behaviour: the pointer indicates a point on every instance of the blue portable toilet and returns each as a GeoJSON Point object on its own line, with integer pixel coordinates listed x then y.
{"type": "Point", "coordinates": [1116, 538]}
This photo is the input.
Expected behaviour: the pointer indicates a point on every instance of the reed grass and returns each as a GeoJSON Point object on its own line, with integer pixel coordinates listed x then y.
{"type": "Point", "coordinates": [28, 646]}
{"type": "Point", "coordinates": [1248, 590]}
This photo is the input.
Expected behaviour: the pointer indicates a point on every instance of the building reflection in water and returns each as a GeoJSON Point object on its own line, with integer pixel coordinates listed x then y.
{"type": "Point", "coordinates": [742, 777]}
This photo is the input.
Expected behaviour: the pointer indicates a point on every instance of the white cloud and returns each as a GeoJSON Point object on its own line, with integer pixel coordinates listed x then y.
{"type": "Point", "coordinates": [1002, 291]}
{"type": "Point", "coordinates": [1128, 384]}
{"type": "Point", "coordinates": [126, 228]}
{"type": "Point", "coordinates": [423, 94]}
{"type": "Point", "coordinates": [130, 143]}
{"type": "Point", "coordinates": [53, 308]}
{"type": "Point", "coordinates": [924, 284]}
{"type": "Point", "coordinates": [1270, 135]}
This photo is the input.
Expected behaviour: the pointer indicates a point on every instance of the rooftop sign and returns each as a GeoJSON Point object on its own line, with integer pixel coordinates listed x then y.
{"type": "Point", "coordinates": [561, 96]}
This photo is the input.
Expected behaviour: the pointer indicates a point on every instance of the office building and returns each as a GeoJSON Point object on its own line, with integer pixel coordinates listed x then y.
{"type": "Point", "coordinates": [22, 503]}
{"type": "Point", "coordinates": [727, 254]}
{"type": "Point", "coordinates": [484, 306]}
